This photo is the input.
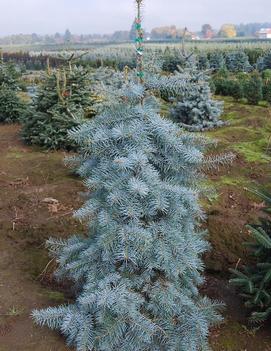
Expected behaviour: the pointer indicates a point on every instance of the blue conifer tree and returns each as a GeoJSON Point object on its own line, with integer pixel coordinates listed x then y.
{"type": "Point", "coordinates": [238, 61]}
{"type": "Point", "coordinates": [193, 105]}
{"type": "Point", "coordinates": [217, 61]}
{"type": "Point", "coordinates": [138, 268]}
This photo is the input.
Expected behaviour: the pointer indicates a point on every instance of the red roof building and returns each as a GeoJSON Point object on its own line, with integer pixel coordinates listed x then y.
{"type": "Point", "coordinates": [264, 33]}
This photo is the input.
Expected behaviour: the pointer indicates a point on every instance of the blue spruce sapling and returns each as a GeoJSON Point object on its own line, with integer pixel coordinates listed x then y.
{"type": "Point", "coordinates": [238, 61]}
{"type": "Point", "coordinates": [139, 265]}
{"type": "Point", "coordinates": [193, 105]}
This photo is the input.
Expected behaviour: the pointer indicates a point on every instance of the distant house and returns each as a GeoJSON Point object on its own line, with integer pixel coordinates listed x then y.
{"type": "Point", "coordinates": [264, 33]}
{"type": "Point", "coordinates": [194, 36]}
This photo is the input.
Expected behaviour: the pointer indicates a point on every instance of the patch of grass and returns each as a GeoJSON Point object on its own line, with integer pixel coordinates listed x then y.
{"type": "Point", "coordinates": [213, 197]}
{"type": "Point", "coordinates": [236, 133]}
{"type": "Point", "coordinates": [248, 132]}
{"type": "Point", "coordinates": [13, 312]}
{"type": "Point", "coordinates": [264, 104]}
{"type": "Point", "coordinates": [15, 153]}
{"type": "Point", "coordinates": [232, 337]}
{"type": "Point", "coordinates": [253, 151]}
{"type": "Point", "coordinates": [36, 261]}
{"type": "Point", "coordinates": [240, 182]}
{"type": "Point", "coordinates": [230, 116]}
{"type": "Point", "coordinates": [55, 296]}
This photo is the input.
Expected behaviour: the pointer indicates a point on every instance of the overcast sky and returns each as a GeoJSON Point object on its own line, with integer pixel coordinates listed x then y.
{"type": "Point", "coordinates": [105, 16]}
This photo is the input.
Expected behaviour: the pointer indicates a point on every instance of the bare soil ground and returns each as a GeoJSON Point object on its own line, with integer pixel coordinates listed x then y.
{"type": "Point", "coordinates": [37, 198]}
{"type": "Point", "coordinates": [28, 179]}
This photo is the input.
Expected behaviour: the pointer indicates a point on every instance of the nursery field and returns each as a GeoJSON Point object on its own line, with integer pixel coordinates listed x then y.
{"type": "Point", "coordinates": [135, 191]}
{"type": "Point", "coordinates": [226, 44]}
{"type": "Point", "coordinates": [38, 195]}
{"type": "Point", "coordinates": [121, 54]}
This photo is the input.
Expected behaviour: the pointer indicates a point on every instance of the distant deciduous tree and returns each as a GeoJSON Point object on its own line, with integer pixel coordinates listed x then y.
{"type": "Point", "coordinates": [170, 32]}
{"type": "Point", "coordinates": [207, 31]}
{"type": "Point", "coordinates": [120, 35]}
{"type": "Point", "coordinates": [167, 32]}
{"type": "Point", "coordinates": [35, 38]}
{"type": "Point", "coordinates": [228, 31]}
{"type": "Point", "coordinates": [67, 36]}
{"type": "Point", "coordinates": [58, 38]}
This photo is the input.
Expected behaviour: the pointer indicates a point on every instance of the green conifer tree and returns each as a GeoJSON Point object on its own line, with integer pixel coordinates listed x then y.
{"type": "Point", "coordinates": [267, 85]}
{"type": "Point", "coordinates": [253, 89]}
{"type": "Point", "coordinates": [254, 280]}
{"type": "Point", "coordinates": [11, 106]}
{"type": "Point", "coordinates": [63, 101]}
{"type": "Point", "coordinates": [264, 62]}
{"type": "Point", "coordinates": [203, 62]}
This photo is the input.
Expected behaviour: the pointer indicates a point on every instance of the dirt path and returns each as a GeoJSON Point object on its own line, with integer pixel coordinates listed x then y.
{"type": "Point", "coordinates": [27, 178]}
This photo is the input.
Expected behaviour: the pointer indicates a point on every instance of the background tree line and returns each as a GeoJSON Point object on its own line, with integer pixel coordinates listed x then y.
{"type": "Point", "coordinates": [171, 32]}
